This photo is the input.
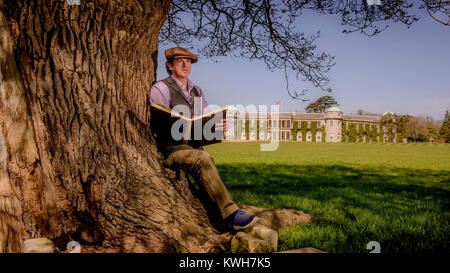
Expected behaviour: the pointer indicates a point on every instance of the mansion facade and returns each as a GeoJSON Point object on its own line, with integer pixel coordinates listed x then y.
{"type": "Point", "coordinates": [331, 126]}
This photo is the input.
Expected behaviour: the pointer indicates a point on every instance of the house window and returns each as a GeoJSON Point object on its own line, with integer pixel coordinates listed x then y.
{"type": "Point", "coordinates": [331, 123]}
{"type": "Point", "coordinates": [318, 124]}
{"type": "Point", "coordinates": [309, 124]}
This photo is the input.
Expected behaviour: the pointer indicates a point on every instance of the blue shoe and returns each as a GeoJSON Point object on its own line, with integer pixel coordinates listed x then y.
{"type": "Point", "coordinates": [242, 220]}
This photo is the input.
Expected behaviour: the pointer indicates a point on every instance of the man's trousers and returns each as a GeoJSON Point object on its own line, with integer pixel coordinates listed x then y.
{"type": "Point", "coordinates": [201, 166]}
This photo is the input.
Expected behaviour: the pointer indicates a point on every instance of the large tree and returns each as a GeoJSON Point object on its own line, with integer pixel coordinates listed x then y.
{"type": "Point", "coordinates": [78, 160]}
{"type": "Point", "coordinates": [321, 104]}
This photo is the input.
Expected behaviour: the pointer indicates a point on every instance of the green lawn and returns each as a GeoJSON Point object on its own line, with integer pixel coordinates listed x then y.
{"type": "Point", "coordinates": [396, 194]}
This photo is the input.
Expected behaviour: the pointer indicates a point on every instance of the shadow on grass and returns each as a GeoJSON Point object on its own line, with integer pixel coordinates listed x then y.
{"type": "Point", "coordinates": [406, 210]}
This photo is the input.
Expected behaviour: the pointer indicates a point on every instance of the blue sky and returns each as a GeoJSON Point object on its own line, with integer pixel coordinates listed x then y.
{"type": "Point", "coordinates": [403, 70]}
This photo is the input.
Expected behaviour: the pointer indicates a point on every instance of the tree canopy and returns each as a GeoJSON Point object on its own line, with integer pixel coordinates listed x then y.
{"type": "Point", "coordinates": [321, 104]}
{"type": "Point", "coordinates": [416, 129]}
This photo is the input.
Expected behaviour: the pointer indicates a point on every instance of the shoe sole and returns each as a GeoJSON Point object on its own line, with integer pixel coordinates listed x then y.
{"type": "Point", "coordinates": [237, 228]}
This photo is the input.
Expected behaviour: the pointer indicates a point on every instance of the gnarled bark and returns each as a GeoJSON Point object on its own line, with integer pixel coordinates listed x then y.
{"type": "Point", "coordinates": [78, 161]}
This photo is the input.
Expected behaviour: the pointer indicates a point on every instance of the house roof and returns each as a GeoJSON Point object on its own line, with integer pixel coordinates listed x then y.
{"type": "Point", "coordinates": [333, 109]}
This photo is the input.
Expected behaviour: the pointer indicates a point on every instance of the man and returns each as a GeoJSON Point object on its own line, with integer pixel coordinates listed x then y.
{"type": "Point", "coordinates": [178, 89]}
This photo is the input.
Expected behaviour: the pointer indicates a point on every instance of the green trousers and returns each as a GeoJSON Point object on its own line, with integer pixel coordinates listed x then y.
{"type": "Point", "coordinates": [201, 166]}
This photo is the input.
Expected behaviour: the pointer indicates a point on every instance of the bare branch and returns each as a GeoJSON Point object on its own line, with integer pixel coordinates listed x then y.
{"type": "Point", "coordinates": [438, 8]}
{"type": "Point", "coordinates": [265, 30]}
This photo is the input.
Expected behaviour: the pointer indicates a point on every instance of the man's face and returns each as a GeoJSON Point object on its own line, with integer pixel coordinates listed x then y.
{"type": "Point", "coordinates": [181, 68]}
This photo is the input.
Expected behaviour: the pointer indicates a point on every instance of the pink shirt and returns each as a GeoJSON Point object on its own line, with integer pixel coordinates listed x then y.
{"type": "Point", "coordinates": [160, 93]}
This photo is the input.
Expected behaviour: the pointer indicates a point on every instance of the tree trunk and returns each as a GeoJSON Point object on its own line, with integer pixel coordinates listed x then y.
{"type": "Point", "coordinates": [77, 158]}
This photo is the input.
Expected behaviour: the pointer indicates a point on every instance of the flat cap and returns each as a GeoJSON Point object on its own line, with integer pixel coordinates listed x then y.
{"type": "Point", "coordinates": [179, 52]}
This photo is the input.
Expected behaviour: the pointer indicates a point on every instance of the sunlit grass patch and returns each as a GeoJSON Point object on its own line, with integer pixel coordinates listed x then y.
{"type": "Point", "coordinates": [397, 195]}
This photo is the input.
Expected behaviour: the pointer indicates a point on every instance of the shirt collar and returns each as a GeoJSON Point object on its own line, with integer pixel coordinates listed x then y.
{"type": "Point", "coordinates": [190, 84]}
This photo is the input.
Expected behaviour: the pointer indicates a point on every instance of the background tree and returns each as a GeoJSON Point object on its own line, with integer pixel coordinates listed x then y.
{"type": "Point", "coordinates": [321, 104]}
{"type": "Point", "coordinates": [402, 120]}
{"type": "Point", "coordinates": [78, 160]}
{"type": "Point", "coordinates": [389, 122]}
{"type": "Point", "coordinates": [352, 132]}
{"type": "Point", "coordinates": [366, 113]}
{"type": "Point", "coordinates": [416, 129]}
{"type": "Point", "coordinates": [432, 131]}
{"type": "Point", "coordinates": [444, 131]}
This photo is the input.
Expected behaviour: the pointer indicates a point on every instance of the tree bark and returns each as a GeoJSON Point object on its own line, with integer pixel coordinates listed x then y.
{"type": "Point", "coordinates": [77, 158]}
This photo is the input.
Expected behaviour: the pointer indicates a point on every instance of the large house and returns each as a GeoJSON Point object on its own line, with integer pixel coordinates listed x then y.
{"type": "Point", "coordinates": [331, 126]}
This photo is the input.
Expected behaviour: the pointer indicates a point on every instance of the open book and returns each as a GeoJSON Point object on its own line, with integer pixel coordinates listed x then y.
{"type": "Point", "coordinates": [196, 131]}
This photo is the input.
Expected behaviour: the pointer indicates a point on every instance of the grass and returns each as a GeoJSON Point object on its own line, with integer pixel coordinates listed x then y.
{"type": "Point", "coordinates": [395, 194]}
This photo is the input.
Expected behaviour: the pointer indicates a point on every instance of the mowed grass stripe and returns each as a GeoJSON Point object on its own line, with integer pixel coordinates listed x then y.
{"type": "Point", "coordinates": [420, 156]}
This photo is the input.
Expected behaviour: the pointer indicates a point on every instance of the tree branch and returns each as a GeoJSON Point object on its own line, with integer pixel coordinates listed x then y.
{"type": "Point", "coordinates": [265, 30]}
